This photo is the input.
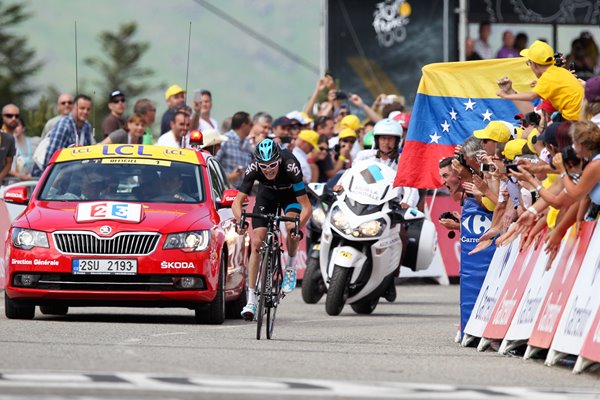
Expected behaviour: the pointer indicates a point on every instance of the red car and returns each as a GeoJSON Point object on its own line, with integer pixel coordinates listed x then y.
{"type": "Point", "coordinates": [126, 225]}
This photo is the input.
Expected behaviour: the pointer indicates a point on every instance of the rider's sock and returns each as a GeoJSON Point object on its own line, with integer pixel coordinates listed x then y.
{"type": "Point", "coordinates": [251, 296]}
{"type": "Point", "coordinates": [291, 263]}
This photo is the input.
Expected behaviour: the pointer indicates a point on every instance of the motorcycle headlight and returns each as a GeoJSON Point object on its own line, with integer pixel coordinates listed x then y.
{"type": "Point", "coordinates": [27, 239]}
{"type": "Point", "coordinates": [340, 220]}
{"type": "Point", "coordinates": [318, 216]}
{"type": "Point", "coordinates": [188, 241]}
{"type": "Point", "coordinates": [371, 228]}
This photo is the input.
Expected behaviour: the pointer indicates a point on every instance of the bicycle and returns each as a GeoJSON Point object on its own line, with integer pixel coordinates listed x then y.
{"type": "Point", "coordinates": [270, 272]}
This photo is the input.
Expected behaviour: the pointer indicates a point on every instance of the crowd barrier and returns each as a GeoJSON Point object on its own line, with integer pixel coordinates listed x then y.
{"type": "Point", "coordinates": [524, 302]}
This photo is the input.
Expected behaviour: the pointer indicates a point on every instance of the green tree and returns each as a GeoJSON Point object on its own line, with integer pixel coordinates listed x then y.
{"type": "Point", "coordinates": [17, 61]}
{"type": "Point", "coordinates": [120, 67]}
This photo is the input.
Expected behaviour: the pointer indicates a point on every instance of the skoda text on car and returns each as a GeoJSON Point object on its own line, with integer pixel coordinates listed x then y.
{"type": "Point", "coordinates": [126, 225]}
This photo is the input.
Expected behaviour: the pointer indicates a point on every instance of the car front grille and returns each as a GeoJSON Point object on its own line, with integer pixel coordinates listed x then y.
{"type": "Point", "coordinates": [125, 243]}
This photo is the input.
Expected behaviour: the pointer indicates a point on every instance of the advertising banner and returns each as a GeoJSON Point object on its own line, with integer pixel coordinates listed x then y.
{"type": "Point", "coordinates": [560, 288]}
{"type": "Point", "coordinates": [474, 222]}
{"type": "Point", "coordinates": [499, 270]}
{"type": "Point", "coordinates": [512, 293]}
{"type": "Point", "coordinates": [582, 305]}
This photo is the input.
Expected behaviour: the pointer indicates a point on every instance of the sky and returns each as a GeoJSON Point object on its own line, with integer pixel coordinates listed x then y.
{"type": "Point", "coordinates": [243, 73]}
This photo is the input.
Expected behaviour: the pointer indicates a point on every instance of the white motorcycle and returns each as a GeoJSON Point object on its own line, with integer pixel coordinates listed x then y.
{"type": "Point", "coordinates": [366, 236]}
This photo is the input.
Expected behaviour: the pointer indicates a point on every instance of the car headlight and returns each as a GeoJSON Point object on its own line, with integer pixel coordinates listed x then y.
{"type": "Point", "coordinates": [27, 239]}
{"type": "Point", "coordinates": [340, 220]}
{"type": "Point", "coordinates": [188, 241]}
{"type": "Point", "coordinates": [318, 216]}
{"type": "Point", "coordinates": [371, 228]}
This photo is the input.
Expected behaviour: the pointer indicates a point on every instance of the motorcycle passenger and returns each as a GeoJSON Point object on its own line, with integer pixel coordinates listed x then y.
{"type": "Point", "coordinates": [387, 138]}
{"type": "Point", "coordinates": [281, 184]}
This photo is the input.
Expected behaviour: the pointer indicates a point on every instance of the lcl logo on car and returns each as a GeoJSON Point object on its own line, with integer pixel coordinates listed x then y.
{"type": "Point", "coordinates": [105, 230]}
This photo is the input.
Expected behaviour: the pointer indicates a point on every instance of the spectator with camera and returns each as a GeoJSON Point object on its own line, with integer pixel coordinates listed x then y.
{"type": "Point", "coordinates": [555, 84]}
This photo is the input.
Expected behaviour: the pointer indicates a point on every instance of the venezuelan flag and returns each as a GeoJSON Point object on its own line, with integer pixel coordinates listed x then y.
{"type": "Point", "coordinates": [453, 100]}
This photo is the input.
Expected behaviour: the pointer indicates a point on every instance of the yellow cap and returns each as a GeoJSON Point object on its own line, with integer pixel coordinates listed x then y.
{"type": "Point", "coordinates": [496, 130]}
{"type": "Point", "coordinates": [514, 148]}
{"type": "Point", "coordinates": [539, 52]}
{"type": "Point", "coordinates": [347, 133]}
{"type": "Point", "coordinates": [350, 121]}
{"type": "Point", "coordinates": [310, 136]}
{"type": "Point", "coordinates": [534, 132]}
{"type": "Point", "coordinates": [307, 119]}
{"type": "Point", "coordinates": [173, 90]}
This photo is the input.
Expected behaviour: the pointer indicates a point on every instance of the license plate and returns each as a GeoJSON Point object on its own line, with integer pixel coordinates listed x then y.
{"type": "Point", "coordinates": [104, 267]}
{"type": "Point", "coordinates": [346, 254]}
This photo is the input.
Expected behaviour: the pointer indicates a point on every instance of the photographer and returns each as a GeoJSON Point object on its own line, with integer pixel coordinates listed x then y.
{"type": "Point", "coordinates": [342, 150]}
{"type": "Point", "coordinates": [554, 83]}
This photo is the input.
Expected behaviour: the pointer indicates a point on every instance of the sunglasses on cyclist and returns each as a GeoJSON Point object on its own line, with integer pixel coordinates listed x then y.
{"type": "Point", "coordinates": [270, 166]}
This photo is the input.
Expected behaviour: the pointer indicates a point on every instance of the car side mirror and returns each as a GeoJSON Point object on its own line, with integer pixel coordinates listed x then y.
{"type": "Point", "coordinates": [16, 195]}
{"type": "Point", "coordinates": [227, 199]}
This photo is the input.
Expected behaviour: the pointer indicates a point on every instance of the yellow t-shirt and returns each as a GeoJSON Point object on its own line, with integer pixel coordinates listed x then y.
{"type": "Point", "coordinates": [552, 212]}
{"type": "Point", "coordinates": [562, 89]}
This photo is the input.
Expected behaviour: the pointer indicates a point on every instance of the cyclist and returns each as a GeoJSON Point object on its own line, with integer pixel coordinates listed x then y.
{"type": "Point", "coordinates": [279, 176]}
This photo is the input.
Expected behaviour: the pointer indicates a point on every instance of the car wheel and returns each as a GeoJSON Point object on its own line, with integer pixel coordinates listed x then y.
{"type": "Point", "coordinates": [214, 314]}
{"type": "Point", "coordinates": [233, 309]}
{"type": "Point", "coordinates": [13, 309]}
{"type": "Point", "coordinates": [54, 310]}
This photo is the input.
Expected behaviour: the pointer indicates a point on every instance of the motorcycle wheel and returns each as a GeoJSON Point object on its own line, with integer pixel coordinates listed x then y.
{"type": "Point", "coordinates": [365, 306]}
{"type": "Point", "coordinates": [338, 290]}
{"type": "Point", "coordinates": [312, 284]}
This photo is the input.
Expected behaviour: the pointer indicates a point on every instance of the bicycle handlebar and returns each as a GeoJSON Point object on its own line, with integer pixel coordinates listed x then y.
{"type": "Point", "coordinates": [273, 217]}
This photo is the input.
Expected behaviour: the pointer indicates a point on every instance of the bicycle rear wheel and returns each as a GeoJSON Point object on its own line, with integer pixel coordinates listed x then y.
{"type": "Point", "coordinates": [277, 278]}
{"type": "Point", "coordinates": [262, 291]}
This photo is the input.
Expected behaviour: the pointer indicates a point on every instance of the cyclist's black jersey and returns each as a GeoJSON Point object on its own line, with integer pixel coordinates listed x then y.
{"type": "Point", "coordinates": [288, 178]}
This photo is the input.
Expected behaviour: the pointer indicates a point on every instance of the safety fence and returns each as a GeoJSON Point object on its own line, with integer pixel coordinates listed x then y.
{"type": "Point", "coordinates": [550, 308]}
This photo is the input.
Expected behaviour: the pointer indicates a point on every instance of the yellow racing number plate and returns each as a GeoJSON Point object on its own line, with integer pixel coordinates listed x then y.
{"type": "Point", "coordinates": [346, 254]}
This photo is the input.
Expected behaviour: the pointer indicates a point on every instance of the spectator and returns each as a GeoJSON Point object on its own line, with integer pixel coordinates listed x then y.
{"type": "Point", "coordinates": [202, 119]}
{"type": "Point", "coordinates": [281, 132]}
{"type": "Point", "coordinates": [339, 113]}
{"type": "Point", "coordinates": [590, 110]}
{"type": "Point", "coordinates": [115, 120]}
{"type": "Point", "coordinates": [180, 126]}
{"type": "Point", "coordinates": [10, 118]}
{"type": "Point", "coordinates": [555, 84]}
{"type": "Point", "coordinates": [226, 124]}
{"type": "Point", "coordinates": [22, 165]}
{"type": "Point", "coordinates": [74, 129]}
{"type": "Point", "coordinates": [521, 41]}
{"type": "Point", "coordinates": [508, 43]}
{"type": "Point", "coordinates": [7, 153]}
{"type": "Point", "coordinates": [481, 45]}
{"type": "Point", "coordinates": [582, 63]}
{"type": "Point", "coordinates": [452, 182]}
{"type": "Point", "coordinates": [322, 158]}
{"type": "Point", "coordinates": [63, 107]}
{"type": "Point", "coordinates": [212, 140]}
{"type": "Point", "coordinates": [261, 126]}
{"type": "Point", "coordinates": [174, 96]}
{"type": "Point", "coordinates": [324, 85]}
{"type": "Point", "coordinates": [470, 53]}
{"type": "Point", "coordinates": [306, 142]}
{"type": "Point", "coordinates": [147, 110]}
{"type": "Point", "coordinates": [132, 134]}
{"type": "Point", "coordinates": [352, 122]}
{"type": "Point", "coordinates": [324, 126]}
{"type": "Point", "coordinates": [236, 153]}
{"type": "Point", "coordinates": [358, 102]}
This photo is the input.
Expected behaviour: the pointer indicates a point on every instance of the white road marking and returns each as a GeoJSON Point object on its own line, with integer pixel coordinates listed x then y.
{"type": "Point", "coordinates": [265, 386]}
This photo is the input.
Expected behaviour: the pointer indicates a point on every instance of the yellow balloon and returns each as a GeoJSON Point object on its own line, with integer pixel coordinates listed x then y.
{"type": "Point", "coordinates": [405, 9]}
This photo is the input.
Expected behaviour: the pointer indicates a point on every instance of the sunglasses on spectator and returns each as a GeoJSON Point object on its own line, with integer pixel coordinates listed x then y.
{"type": "Point", "coordinates": [118, 101]}
{"type": "Point", "coordinates": [323, 148]}
{"type": "Point", "coordinates": [66, 102]}
{"type": "Point", "coordinates": [11, 115]}
{"type": "Point", "coordinates": [295, 127]}
{"type": "Point", "coordinates": [270, 166]}
{"type": "Point", "coordinates": [348, 140]}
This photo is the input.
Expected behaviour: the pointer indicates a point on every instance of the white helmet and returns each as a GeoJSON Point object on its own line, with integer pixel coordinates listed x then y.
{"type": "Point", "coordinates": [388, 127]}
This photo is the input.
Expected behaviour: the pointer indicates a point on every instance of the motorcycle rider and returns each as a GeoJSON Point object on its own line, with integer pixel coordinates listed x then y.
{"type": "Point", "coordinates": [387, 137]}
{"type": "Point", "coordinates": [281, 184]}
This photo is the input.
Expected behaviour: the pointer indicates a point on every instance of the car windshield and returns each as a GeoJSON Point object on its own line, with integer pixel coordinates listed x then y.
{"type": "Point", "coordinates": [124, 179]}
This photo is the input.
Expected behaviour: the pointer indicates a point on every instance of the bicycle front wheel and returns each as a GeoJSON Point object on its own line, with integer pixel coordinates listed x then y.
{"type": "Point", "coordinates": [277, 278]}
{"type": "Point", "coordinates": [263, 276]}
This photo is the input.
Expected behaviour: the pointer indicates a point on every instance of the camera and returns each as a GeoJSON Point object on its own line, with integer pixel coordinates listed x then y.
{"type": "Point", "coordinates": [487, 167]}
{"type": "Point", "coordinates": [448, 215]}
{"type": "Point", "coordinates": [285, 139]}
{"type": "Point", "coordinates": [340, 95]}
{"type": "Point", "coordinates": [558, 59]}
{"type": "Point", "coordinates": [569, 155]}
{"type": "Point", "coordinates": [512, 167]}
{"type": "Point", "coordinates": [461, 160]}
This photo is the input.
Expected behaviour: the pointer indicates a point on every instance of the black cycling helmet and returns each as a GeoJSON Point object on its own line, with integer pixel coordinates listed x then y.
{"type": "Point", "coordinates": [266, 151]}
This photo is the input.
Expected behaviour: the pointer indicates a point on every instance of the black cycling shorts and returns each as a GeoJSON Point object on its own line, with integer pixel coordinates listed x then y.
{"type": "Point", "coordinates": [268, 201]}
